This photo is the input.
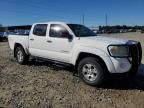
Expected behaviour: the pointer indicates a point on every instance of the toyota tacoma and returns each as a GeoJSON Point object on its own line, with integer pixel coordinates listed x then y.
{"type": "Point", "coordinates": [92, 56]}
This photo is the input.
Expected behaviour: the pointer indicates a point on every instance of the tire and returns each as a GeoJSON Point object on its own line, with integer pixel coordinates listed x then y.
{"type": "Point", "coordinates": [1, 40]}
{"type": "Point", "coordinates": [132, 73]}
{"type": "Point", "coordinates": [21, 56]}
{"type": "Point", "coordinates": [90, 71]}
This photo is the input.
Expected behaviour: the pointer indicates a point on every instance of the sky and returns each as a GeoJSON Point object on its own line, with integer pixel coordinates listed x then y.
{"type": "Point", "coordinates": [25, 12]}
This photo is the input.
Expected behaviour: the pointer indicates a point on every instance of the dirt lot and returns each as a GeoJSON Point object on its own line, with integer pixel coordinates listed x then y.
{"type": "Point", "coordinates": [45, 85]}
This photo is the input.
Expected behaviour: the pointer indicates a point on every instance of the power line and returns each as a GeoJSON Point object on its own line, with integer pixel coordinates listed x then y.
{"type": "Point", "coordinates": [35, 16]}
{"type": "Point", "coordinates": [34, 5]}
{"type": "Point", "coordinates": [59, 17]}
{"type": "Point", "coordinates": [39, 15]}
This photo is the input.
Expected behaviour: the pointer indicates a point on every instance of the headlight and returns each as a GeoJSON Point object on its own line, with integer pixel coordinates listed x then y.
{"type": "Point", "coordinates": [118, 50]}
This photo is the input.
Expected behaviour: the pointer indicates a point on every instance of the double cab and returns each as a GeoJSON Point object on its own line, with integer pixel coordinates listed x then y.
{"type": "Point", "coordinates": [92, 56]}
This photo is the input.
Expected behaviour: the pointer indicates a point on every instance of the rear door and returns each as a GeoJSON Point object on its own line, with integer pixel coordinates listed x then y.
{"type": "Point", "coordinates": [38, 41]}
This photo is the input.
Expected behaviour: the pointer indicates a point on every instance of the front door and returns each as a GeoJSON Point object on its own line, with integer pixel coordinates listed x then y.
{"type": "Point", "coordinates": [59, 43]}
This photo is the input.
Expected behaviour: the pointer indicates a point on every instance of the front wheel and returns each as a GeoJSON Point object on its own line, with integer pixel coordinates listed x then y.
{"type": "Point", "coordinates": [90, 71]}
{"type": "Point", "coordinates": [21, 56]}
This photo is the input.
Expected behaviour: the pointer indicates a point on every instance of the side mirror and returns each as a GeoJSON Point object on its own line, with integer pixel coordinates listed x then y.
{"type": "Point", "coordinates": [70, 37]}
{"type": "Point", "coordinates": [67, 35]}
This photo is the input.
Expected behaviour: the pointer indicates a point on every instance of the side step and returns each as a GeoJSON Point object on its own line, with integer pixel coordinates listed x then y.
{"type": "Point", "coordinates": [56, 63]}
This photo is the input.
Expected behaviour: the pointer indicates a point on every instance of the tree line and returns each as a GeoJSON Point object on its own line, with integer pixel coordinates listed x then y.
{"type": "Point", "coordinates": [1, 28]}
{"type": "Point", "coordinates": [125, 27]}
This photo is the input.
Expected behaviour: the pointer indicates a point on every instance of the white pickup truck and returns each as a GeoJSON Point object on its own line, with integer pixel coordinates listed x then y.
{"type": "Point", "coordinates": [92, 56]}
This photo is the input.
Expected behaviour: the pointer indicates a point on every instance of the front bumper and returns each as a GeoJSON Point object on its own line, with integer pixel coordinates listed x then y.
{"type": "Point", "coordinates": [1, 38]}
{"type": "Point", "coordinates": [121, 65]}
{"type": "Point", "coordinates": [132, 63]}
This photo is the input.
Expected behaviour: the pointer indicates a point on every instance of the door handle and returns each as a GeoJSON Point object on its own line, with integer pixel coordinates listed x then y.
{"type": "Point", "coordinates": [49, 41]}
{"type": "Point", "coordinates": [32, 39]}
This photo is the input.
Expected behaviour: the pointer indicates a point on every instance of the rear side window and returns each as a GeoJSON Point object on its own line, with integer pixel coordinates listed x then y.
{"type": "Point", "coordinates": [40, 30]}
{"type": "Point", "coordinates": [59, 31]}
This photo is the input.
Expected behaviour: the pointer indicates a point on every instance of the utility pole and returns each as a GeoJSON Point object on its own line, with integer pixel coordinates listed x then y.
{"type": "Point", "coordinates": [106, 20]}
{"type": "Point", "coordinates": [106, 23]}
{"type": "Point", "coordinates": [83, 19]}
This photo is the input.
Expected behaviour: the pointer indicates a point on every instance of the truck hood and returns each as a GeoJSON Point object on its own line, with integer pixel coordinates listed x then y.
{"type": "Point", "coordinates": [106, 40]}
{"type": "Point", "coordinates": [101, 42]}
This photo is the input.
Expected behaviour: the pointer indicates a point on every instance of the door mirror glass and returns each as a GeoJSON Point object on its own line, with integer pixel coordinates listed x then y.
{"type": "Point", "coordinates": [66, 35]}
{"type": "Point", "coordinates": [70, 37]}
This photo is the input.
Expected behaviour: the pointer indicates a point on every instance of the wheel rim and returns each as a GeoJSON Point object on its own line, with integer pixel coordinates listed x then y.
{"type": "Point", "coordinates": [89, 72]}
{"type": "Point", "coordinates": [20, 56]}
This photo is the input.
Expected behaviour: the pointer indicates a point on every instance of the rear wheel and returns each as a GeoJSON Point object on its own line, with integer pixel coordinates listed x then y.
{"type": "Point", "coordinates": [21, 56]}
{"type": "Point", "coordinates": [91, 71]}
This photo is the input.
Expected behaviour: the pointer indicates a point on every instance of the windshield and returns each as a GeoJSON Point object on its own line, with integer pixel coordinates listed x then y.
{"type": "Point", "coordinates": [81, 31]}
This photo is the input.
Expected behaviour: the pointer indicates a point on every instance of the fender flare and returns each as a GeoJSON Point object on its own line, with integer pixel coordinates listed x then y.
{"type": "Point", "coordinates": [22, 45]}
{"type": "Point", "coordinates": [98, 52]}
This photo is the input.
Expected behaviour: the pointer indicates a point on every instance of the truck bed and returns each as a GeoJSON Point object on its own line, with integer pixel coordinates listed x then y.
{"type": "Point", "coordinates": [21, 39]}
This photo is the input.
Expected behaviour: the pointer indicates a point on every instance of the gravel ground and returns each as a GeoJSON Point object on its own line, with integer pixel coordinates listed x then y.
{"type": "Point", "coordinates": [46, 85]}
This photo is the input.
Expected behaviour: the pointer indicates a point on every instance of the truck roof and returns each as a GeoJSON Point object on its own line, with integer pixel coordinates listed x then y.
{"type": "Point", "coordinates": [52, 22]}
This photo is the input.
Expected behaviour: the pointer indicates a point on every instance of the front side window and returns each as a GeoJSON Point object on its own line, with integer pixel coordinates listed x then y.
{"type": "Point", "coordinates": [59, 31]}
{"type": "Point", "coordinates": [40, 30]}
